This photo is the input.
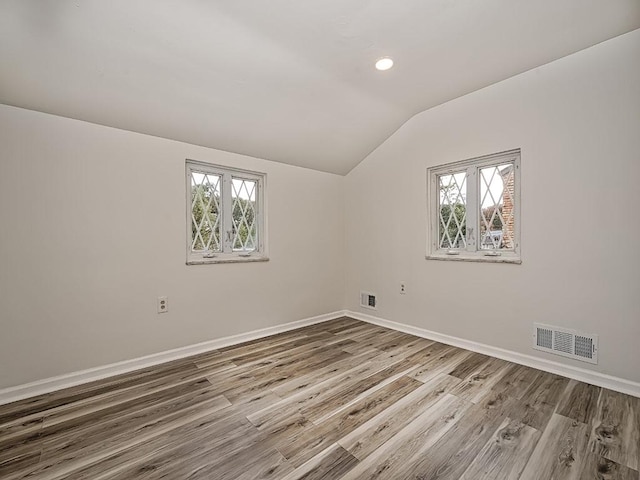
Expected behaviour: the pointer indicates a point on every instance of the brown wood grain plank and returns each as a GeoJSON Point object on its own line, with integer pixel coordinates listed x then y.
{"type": "Point", "coordinates": [451, 455]}
{"type": "Point", "coordinates": [332, 463]}
{"type": "Point", "coordinates": [579, 401]}
{"type": "Point", "coordinates": [561, 451]}
{"type": "Point", "coordinates": [516, 381]}
{"type": "Point", "coordinates": [88, 461]}
{"type": "Point", "coordinates": [506, 453]}
{"type": "Point", "coordinates": [540, 400]}
{"type": "Point", "coordinates": [116, 426]}
{"type": "Point", "coordinates": [339, 399]}
{"type": "Point", "coordinates": [315, 438]}
{"type": "Point", "coordinates": [615, 432]}
{"type": "Point", "coordinates": [469, 365]}
{"type": "Point", "coordinates": [398, 456]}
{"type": "Point", "coordinates": [366, 439]}
{"type": "Point", "coordinates": [35, 407]}
{"type": "Point", "coordinates": [337, 388]}
{"type": "Point", "coordinates": [600, 468]}
{"type": "Point", "coordinates": [319, 375]}
{"type": "Point", "coordinates": [478, 384]}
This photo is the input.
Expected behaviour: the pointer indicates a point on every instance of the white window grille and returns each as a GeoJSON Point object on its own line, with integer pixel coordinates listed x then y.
{"type": "Point", "coordinates": [474, 209]}
{"type": "Point", "coordinates": [225, 214]}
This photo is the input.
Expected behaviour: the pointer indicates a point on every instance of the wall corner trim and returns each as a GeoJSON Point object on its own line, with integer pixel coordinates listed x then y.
{"type": "Point", "coordinates": [587, 376]}
{"type": "Point", "coordinates": [48, 385]}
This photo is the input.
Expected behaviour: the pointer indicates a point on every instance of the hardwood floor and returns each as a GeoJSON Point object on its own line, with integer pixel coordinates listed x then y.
{"type": "Point", "coordinates": [338, 400]}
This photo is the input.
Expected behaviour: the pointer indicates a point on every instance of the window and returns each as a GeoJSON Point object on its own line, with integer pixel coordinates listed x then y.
{"type": "Point", "coordinates": [225, 214]}
{"type": "Point", "coordinates": [474, 209]}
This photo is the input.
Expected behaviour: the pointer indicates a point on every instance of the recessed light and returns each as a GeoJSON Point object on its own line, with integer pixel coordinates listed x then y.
{"type": "Point", "coordinates": [384, 64]}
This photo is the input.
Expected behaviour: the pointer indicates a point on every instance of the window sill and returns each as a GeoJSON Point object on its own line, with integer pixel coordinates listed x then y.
{"type": "Point", "coordinates": [462, 257]}
{"type": "Point", "coordinates": [227, 259]}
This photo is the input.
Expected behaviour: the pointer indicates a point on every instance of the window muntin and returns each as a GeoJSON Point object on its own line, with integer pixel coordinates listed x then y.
{"type": "Point", "coordinates": [244, 214]}
{"type": "Point", "coordinates": [225, 214]}
{"type": "Point", "coordinates": [205, 212]}
{"type": "Point", "coordinates": [474, 209]}
{"type": "Point", "coordinates": [497, 201]}
{"type": "Point", "coordinates": [452, 210]}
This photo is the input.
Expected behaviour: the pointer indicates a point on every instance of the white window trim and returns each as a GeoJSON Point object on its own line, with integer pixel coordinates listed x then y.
{"type": "Point", "coordinates": [261, 254]}
{"type": "Point", "coordinates": [472, 253]}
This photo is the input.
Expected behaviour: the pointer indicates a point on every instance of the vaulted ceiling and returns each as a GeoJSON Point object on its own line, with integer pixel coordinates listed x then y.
{"type": "Point", "coordinates": [286, 80]}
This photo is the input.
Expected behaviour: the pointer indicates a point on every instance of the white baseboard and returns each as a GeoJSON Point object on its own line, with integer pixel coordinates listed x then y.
{"type": "Point", "coordinates": [594, 378]}
{"type": "Point", "coordinates": [60, 382]}
{"type": "Point", "coordinates": [67, 380]}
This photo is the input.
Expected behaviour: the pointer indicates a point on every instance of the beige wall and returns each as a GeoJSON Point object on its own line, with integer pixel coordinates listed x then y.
{"type": "Point", "coordinates": [92, 230]}
{"type": "Point", "coordinates": [577, 121]}
{"type": "Point", "coordinates": [92, 227]}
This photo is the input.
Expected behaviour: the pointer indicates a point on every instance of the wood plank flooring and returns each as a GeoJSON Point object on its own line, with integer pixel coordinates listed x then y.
{"type": "Point", "coordinates": [337, 400]}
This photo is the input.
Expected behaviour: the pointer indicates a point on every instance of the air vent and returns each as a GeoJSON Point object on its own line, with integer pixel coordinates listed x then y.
{"type": "Point", "coordinates": [368, 300]}
{"type": "Point", "coordinates": [544, 338]}
{"type": "Point", "coordinates": [567, 343]}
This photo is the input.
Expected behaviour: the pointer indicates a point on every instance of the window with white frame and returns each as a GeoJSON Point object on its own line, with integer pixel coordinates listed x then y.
{"type": "Point", "coordinates": [225, 214]}
{"type": "Point", "coordinates": [474, 209]}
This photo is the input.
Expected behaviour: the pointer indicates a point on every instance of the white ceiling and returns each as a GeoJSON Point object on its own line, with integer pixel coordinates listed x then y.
{"type": "Point", "coordinates": [286, 80]}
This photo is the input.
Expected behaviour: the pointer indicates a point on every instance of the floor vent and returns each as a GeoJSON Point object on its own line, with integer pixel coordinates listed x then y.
{"type": "Point", "coordinates": [368, 300]}
{"type": "Point", "coordinates": [567, 343]}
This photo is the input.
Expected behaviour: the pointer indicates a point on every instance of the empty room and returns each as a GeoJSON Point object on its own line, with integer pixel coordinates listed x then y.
{"type": "Point", "coordinates": [304, 239]}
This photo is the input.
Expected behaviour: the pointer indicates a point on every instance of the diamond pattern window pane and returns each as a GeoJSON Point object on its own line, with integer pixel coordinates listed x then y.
{"type": "Point", "coordinates": [205, 212]}
{"type": "Point", "coordinates": [497, 201]}
{"type": "Point", "coordinates": [245, 229]}
{"type": "Point", "coordinates": [452, 211]}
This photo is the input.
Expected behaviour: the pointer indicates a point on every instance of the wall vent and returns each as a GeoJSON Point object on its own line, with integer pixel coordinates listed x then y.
{"type": "Point", "coordinates": [368, 300]}
{"type": "Point", "coordinates": [567, 343]}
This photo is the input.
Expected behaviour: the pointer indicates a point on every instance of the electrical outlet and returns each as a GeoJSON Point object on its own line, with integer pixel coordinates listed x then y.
{"type": "Point", "coordinates": [163, 305]}
{"type": "Point", "coordinates": [403, 288]}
